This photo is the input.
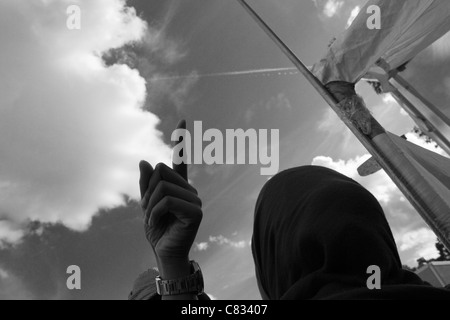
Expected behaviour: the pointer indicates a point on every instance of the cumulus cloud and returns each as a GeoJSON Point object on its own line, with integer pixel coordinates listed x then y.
{"type": "Point", "coordinates": [329, 7]}
{"type": "Point", "coordinates": [3, 274]}
{"type": "Point", "coordinates": [221, 241]}
{"type": "Point", "coordinates": [332, 7]}
{"type": "Point", "coordinates": [9, 233]}
{"type": "Point", "coordinates": [379, 184]}
{"type": "Point", "coordinates": [411, 239]}
{"type": "Point", "coordinates": [390, 102]}
{"type": "Point", "coordinates": [389, 99]}
{"type": "Point", "coordinates": [202, 246]}
{"type": "Point", "coordinates": [421, 241]}
{"type": "Point", "coordinates": [72, 129]}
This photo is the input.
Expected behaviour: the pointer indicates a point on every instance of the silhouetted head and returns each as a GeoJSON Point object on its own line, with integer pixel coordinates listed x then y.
{"type": "Point", "coordinates": [315, 234]}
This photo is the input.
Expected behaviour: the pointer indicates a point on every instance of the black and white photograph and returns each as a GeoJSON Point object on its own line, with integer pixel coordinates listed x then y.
{"type": "Point", "coordinates": [225, 153]}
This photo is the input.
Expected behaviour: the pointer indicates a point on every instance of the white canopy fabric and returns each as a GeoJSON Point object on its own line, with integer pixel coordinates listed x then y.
{"type": "Point", "coordinates": [407, 27]}
{"type": "Point", "coordinates": [424, 179]}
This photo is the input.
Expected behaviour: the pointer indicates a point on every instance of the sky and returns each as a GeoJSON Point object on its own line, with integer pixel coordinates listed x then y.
{"type": "Point", "coordinates": [80, 108]}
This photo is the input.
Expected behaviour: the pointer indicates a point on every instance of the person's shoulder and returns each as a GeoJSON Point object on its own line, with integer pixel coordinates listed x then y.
{"type": "Point", "coordinates": [394, 292]}
{"type": "Point", "coordinates": [144, 287]}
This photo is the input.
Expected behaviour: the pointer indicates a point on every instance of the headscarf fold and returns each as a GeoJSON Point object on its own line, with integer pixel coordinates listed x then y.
{"type": "Point", "coordinates": [315, 234]}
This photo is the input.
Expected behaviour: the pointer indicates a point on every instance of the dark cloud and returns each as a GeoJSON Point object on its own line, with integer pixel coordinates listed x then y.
{"type": "Point", "coordinates": [111, 254]}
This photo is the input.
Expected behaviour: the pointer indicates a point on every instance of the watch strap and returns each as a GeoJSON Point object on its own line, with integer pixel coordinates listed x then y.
{"type": "Point", "coordinates": [191, 284]}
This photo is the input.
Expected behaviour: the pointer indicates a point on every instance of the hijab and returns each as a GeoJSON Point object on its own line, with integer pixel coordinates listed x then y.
{"type": "Point", "coordinates": [316, 232]}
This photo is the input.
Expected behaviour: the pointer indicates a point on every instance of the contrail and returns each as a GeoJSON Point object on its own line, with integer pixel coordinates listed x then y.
{"type": "Point", "coordinates": [280, 71]}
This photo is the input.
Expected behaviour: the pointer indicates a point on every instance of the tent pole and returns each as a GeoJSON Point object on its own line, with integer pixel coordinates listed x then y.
{"type": "Point", "coordinates": [417, 115]}
{"type": "Point", "coordinates": [316, 83]}
{"type": "Point", "coordinates": [382, 157]}
{"type": "Point", "coordinates": [323, 91]}
{"type": "Point", "coordinates": [405, 84]}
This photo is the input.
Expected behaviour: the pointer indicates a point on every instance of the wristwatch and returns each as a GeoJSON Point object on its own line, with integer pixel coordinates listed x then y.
{"type": "Point", "coordinates": [192, 284]}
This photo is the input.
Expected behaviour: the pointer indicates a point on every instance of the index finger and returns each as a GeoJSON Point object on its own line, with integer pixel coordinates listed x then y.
{"type": "Point", "coordinates": [181, 169]}
{"type": "Point", "coordinates": [146, 171]}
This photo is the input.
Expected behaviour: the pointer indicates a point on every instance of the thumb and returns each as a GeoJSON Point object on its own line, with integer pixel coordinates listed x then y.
{"type": "Point", "coordinates": [181, 169]}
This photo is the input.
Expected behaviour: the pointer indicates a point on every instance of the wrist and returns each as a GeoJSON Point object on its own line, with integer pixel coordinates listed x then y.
{"type": "Point", "coordinates": [174, 268]}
